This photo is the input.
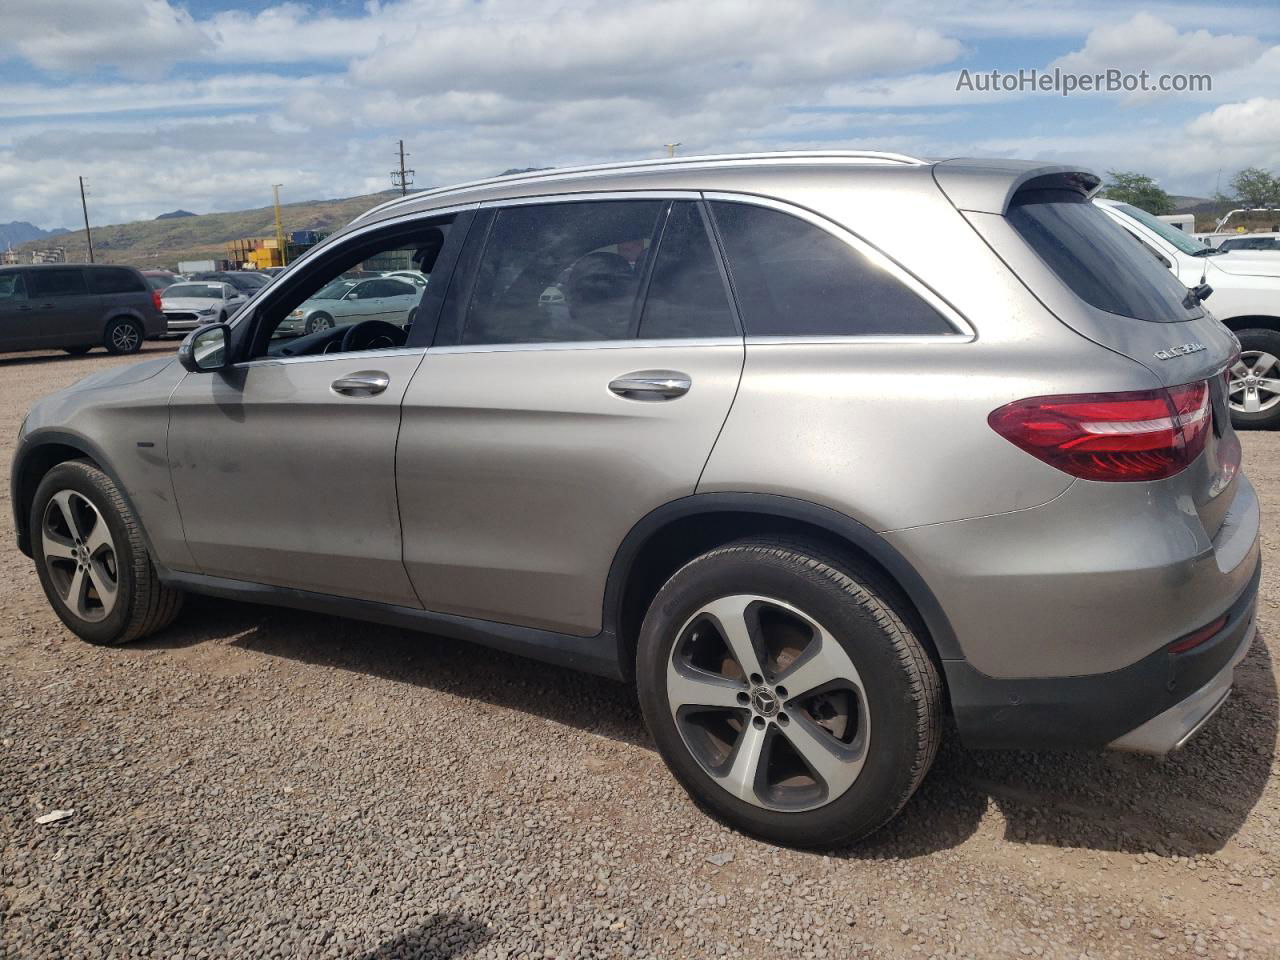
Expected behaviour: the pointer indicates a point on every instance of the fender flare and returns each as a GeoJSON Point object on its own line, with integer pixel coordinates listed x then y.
{"type": "Point", "coordinates": [832, 521]}
{"type": "Point", "coordinates": [52, 436]}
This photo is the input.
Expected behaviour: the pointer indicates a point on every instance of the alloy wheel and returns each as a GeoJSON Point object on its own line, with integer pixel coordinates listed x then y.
{"type": "Point", "coordinates": [125, 337]}
{"type": "Point", "coordinates": [768, 703]}
{"type": "Point", "coordinates": [80, 556]}
{"type": "Point", "coordinates": [1255, 382]}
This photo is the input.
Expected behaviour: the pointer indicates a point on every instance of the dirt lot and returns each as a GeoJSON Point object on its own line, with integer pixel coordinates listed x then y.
{"type": "Point", "coordinates": [260, 783]}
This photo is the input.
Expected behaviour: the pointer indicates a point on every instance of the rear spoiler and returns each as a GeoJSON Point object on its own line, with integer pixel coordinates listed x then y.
{"type": "Point", "coordinates": [987, 186]}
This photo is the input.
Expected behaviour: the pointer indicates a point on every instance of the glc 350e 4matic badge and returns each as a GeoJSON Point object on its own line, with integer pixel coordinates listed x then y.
{"type": "Point", "coordinates": [1181, 350]}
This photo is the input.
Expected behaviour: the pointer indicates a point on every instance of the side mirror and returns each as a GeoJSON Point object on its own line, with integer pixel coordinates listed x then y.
{"type": "Point", "coordinates": [205, 349]}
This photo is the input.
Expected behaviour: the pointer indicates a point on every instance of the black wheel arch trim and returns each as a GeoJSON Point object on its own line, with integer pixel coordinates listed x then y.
{"type": "Point", "coordinates": [785, 508]}
{"type": "Point", "coordinates": [21, 490]}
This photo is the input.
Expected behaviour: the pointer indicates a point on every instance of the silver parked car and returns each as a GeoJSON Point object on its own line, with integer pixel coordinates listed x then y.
{"type": "Point", "coordinates": [810, 476]}
{"type": "Point", "coordinates": [193, 304]}
{"type": "Point", "coordinates": [392, 299]}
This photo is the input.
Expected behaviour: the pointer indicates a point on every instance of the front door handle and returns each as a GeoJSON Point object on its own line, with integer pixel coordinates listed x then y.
{"type": "Point", "coordinates": [366, 383]}
{"type": "Point", "coordinates": [652, 385]}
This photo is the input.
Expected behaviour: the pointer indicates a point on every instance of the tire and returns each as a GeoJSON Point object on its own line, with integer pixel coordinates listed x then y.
{"type": "Point", "coordinates": [123, 335]}
{"type": "Point", "coordinates": [1260, 357]}
{"type": "Point", "coordinates": [818, 616]}
{"type": "Point", "coordinates": [77, 351]}
{"type": "Point", "coordinates": [319, 321]}
{"type": "Point", "coordinates": [141, 604]}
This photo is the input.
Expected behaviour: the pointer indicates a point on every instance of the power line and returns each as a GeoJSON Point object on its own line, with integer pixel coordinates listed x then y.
{"type": "Point", "coordinates": [402, 178]}
{"type": "Point", "coordinates": [84, 206]}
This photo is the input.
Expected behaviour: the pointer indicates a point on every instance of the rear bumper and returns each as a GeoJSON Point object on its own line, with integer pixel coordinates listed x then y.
{"type": "Point", "coordinates": [1152, 706]}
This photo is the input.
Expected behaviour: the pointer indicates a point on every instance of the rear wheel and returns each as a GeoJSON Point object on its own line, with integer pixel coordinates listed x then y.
{"type": "Point", "coordinates": [786, 692]}
{"type": "Point", "coordinates": [91, 559]}
{"type": "Point", "coordinates": [1254, 393]}
{"type": "Point", "coordinates": [123, 335]}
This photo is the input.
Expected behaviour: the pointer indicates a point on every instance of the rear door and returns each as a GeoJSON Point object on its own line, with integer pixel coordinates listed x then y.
{"type": "Point", "coordinates": [536, 434]}
{"type": "Point", "coordinates": [68, 314]}
{"type": "Point", "coordinates": [119, 290]}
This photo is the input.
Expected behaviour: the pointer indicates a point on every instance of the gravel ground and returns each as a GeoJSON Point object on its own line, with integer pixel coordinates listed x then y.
{"type": "Point", "coordinates": [260, 783]}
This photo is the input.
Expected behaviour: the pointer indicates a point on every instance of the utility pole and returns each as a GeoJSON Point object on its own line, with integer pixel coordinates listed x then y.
{"type": "Point", "coordinates": [85, 207]}
{"type": "Point", "coordinates": [671, 148]}
{"type": "Point", "coordinates": [280, 244]}
{"type": "Point", "coordinates": [402, 178]}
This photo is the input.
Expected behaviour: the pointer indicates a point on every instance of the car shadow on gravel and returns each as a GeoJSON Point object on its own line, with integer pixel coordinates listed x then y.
{"type": "Point", "coordinates": [444, 935]}
{"type": "Point", "coordinates": [1188, 804]}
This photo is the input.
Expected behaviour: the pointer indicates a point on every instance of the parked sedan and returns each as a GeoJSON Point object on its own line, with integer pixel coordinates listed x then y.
{"type": "Point", "coordinates": [189, 305]}
{"type": "Point", "coordinates": [348, 301]}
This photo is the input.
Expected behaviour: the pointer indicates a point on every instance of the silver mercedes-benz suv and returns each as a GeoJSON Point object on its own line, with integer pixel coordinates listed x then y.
{"type": "Point", "coordinates": [815, 449]}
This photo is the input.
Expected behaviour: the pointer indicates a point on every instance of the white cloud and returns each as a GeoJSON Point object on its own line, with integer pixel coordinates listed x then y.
{"type": "Point", "coordinates": [139, 37]}
{"type": "Point", "coordinates": [1255, 122]}
{"type": "Point", "coordinates": [1146, 42]}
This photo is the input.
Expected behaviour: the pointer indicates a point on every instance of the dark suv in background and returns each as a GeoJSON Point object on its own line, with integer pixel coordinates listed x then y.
{"type": "Point", "coordinates": [77, 307]}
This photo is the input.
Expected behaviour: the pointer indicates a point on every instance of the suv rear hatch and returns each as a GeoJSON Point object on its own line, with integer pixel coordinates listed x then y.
{"type": "Point", "coordinates": [1102, 282]}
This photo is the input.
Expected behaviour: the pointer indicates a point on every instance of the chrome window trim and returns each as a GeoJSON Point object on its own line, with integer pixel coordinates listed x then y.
{"type": "Point", "coordinates": [313, 357]}
{"type": "Point", "coordinates": [591, 197]}
{"type": "Point", "coordinates": [764, 341]}
{"type": "Point", "coordinates": [623, 344]}
{"type": "Point", "coordinates": [964, 330]}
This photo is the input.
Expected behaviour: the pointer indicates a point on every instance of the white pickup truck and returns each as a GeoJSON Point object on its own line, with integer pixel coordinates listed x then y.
{"type": "Point", "coordinates": [1246, 297]}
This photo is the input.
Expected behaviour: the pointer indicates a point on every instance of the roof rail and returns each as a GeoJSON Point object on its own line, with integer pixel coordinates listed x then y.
{"type": "Point", "coordinates": [552, 173]}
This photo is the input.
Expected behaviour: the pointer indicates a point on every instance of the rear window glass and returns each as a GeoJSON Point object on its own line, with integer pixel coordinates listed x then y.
{"type": "Point", "coordinates": [1103, 264]}
{"type": "Point", "coordinates": [795, 279]}
{"type": "Point", "coordinates": [115, 280]}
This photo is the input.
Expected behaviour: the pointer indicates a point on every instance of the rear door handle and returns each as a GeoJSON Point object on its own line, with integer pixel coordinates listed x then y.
{"type": "Point", "coordinates": [366, 383]}
{"type": "Point", "coordinates": [652, 385]}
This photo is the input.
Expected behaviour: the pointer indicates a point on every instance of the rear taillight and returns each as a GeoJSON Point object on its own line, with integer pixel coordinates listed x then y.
{"type": "Point", "coordinates": [1134, 436]}
{"type": "Point", "coordinates": [155, 299]}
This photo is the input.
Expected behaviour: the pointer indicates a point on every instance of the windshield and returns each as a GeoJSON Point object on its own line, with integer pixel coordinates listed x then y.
{"type": "Point", "coordinates": [200, 291]}
{"type": "Point", "coordinates": [1101, 261]}
{"type": "Point", "coordinates": [1184, 242]}
{"type": "Point", "coordinates": [335, 290]}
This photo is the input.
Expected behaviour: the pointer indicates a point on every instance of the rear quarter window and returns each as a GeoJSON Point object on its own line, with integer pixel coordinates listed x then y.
{"type": "Point", "coordinates": [115, 280]}
{"type": "Point", "coordinates": [1101, 262]}
{"type": "Point", "coordinates": [792, 278]}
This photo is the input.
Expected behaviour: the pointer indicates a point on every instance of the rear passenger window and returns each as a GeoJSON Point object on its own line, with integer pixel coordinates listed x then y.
{"type": "Point", "coordinates": [795, 279]}
{"type": "Point", "coordinates": [56, 283]}
{"type": "Point", "coordinates": [115, 280]}
{"type": "Point", "coordinates": [686, 296]}
{"type": "Point", "coordinates": [561, 272]}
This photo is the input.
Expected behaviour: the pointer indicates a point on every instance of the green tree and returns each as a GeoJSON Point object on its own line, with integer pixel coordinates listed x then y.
{"type": "Point", "coordinates": [1255, 187]}
{"type": "Point", "coordinates": [1139, 190]}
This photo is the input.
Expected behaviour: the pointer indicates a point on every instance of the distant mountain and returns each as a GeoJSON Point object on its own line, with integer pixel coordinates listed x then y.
{"type": "Point", "coordinates": [175, 215]}
{"type": "Point", "coordinates": [19, 231]}
{"type": "Point", "coordinates": [1183, 204]}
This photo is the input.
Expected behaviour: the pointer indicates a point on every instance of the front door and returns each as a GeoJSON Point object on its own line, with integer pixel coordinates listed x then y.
{"type": "Point", "coordinates": [284, 463]}
{"type": "Point", "coordinates": [18, 328]}
{"type": "Point", "coordinates": [543, 431]}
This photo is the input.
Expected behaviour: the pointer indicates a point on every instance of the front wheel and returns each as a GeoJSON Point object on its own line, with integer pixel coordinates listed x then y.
{"type": "Point", "coordinates": [91, 559]}
{"type": "Point", "coordinates": [1254, 391]}
{"type": "Point", "coordinates": [787, 693]}
{"type": "Point", "coordinates": [123, 335]}
{"type": "Point", "coordinates": [319, 321]}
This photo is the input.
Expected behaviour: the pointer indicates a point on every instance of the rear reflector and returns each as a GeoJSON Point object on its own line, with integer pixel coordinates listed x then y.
{"type": "Point", "coordinates": [1134, 436]}
{"type": "Point", "coordinates": [1193, 640]}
